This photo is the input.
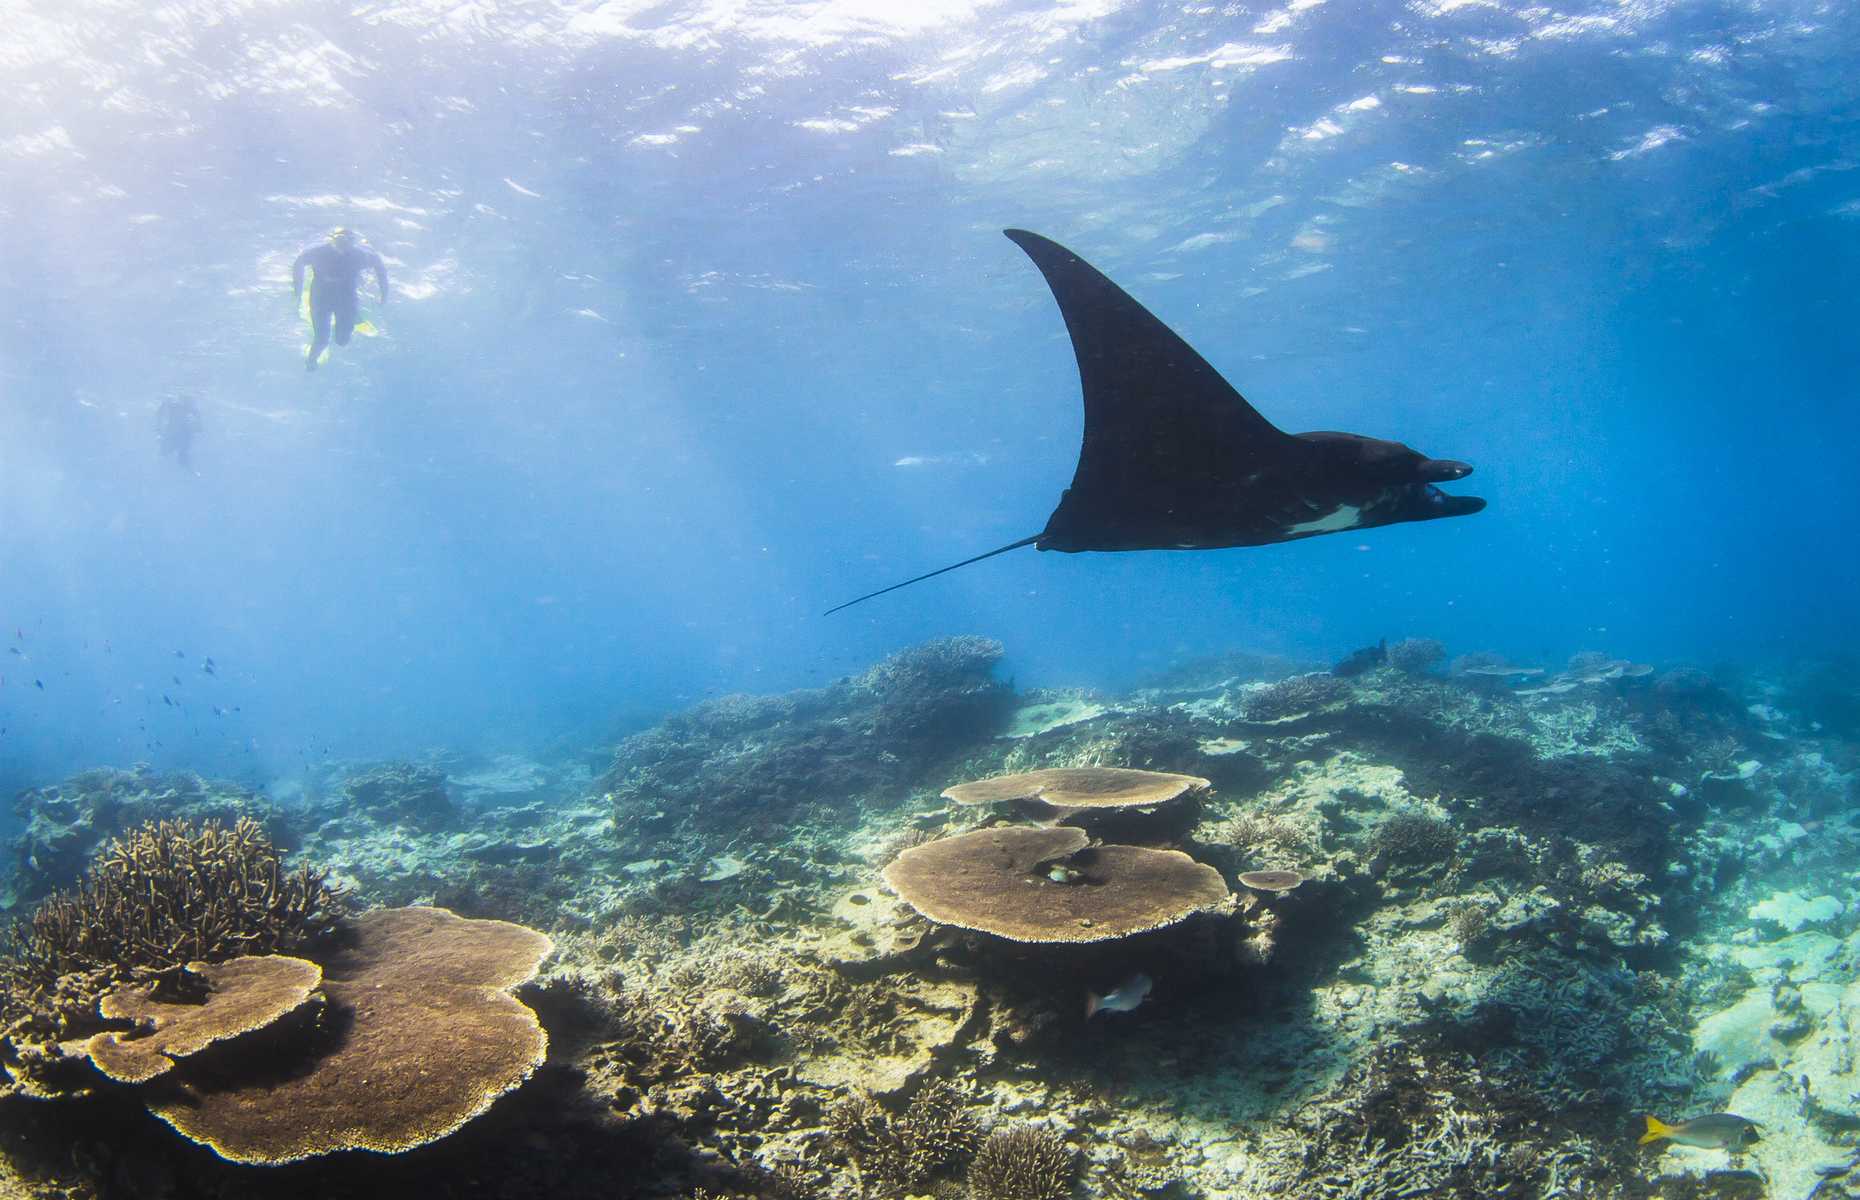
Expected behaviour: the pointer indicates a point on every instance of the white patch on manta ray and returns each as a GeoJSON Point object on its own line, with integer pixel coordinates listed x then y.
{"type": "Point", "coordinates": [1342, 517]}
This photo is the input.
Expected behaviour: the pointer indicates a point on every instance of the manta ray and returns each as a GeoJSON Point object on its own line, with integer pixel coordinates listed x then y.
{"type": "Point", "coordinates": [1175, 459]}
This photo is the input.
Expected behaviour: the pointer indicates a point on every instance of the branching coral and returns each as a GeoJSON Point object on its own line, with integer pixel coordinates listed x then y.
{"type": "Point", "coordinates": [1292, 697]}
{"type": "Point", "coordinates": [943, 688]}
{"type": "Point", "coordinates": [1027, 1162]}
{"type": "Point", "coordinates": [1413, 837]}
{"type": "Point", "coordinates": [1260, 835]}
{"type": "Point", "coordinates": [1417, 655]}
{"type": "Point", "coordinates": [66, 824]}
{"type": "Point", "coordinates": [170, 893]}
{"type": "Point", "coordinates": [1468, 923]}
{"type": "Point", "coordinates": [935, 1136]}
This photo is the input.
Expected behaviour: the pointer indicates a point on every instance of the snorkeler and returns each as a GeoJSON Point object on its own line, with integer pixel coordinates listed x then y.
{"type": "Point", "coordinates": [177, 420]}
{"type": "Point", "coordinates": [336, 267]}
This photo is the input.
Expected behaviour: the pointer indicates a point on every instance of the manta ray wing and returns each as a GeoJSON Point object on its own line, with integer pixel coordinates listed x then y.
{"type": "Point", "coordinates": [1172, 453]}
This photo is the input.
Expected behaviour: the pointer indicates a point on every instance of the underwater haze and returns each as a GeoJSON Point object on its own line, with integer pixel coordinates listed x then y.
{"type": "Point", "coordinates": [701, 323]}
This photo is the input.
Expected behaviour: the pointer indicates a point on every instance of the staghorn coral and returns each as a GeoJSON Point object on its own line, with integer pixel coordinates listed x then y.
{"type": "Point", "coordinates": [67, 823]}
{"type": "Point", "coordinates": [167, 894]}
{"type": "Point", "coordinates": [1468, 923]}
{"type": "Point", "coordinates": [1293, 697]}
{"type": "Point", "coordinates": [1260, 835]}
{"type": "Point", "coordinates": [935, 1135]}
{"type": "Point", "coordinates": [1027, 1162]}
{"type": "Point", "coordinates": [865, 1133]}
{"type": "Point", "coordinates": [752, 976]}
{"type": "Point", "coordinates": [1412, 837]}
{"type": "Point", "coordinates": [939, 1132]}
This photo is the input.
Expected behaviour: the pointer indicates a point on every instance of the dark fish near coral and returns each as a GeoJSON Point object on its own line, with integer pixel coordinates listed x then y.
{"type": "Point", "coordinates": [1122, 998]}
{"type": "Point", "coordinates": [1356, 662]}
{"type": "Point", "coordinates": [1175, 459]}
{"type": "Point", "coordinates": [1713, 1131]}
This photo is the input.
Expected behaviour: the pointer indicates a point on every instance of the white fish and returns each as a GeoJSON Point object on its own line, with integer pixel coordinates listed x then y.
{"type": "Point", "coordinates": [1122, 998]}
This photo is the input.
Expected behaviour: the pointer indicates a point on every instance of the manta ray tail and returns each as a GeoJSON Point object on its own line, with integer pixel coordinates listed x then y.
{"type": "Point", "coordinates": [1026, 541]}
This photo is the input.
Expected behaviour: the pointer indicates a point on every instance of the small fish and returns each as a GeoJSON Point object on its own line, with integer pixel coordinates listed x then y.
{"type": "Point", "coordinates": [177, 680]}
{"type": "Point", "coordinates": [208, 667]}
{"type": "Point", "coordinates": [180, 654]}
{"type": "Point", "coordinates": [165, 700]}
{"type": "Point", "coordinates": [14, 650]}
{"type": "Point", "coordinates": [1713, 1131]}
{"type": "Point", "coordinates": [1122, 998]}
{"type": "Point", "coordinates": [39, 683]}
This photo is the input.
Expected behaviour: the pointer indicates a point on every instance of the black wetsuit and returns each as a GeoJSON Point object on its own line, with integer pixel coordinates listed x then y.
{"type": "Point", "coordinates": [332, 291]}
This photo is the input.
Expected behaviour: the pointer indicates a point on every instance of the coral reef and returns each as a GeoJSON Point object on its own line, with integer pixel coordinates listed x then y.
{"type": "Point", "coordinates": [1523, 921]}
{"type": "Point", "coordinates": [153, 908]}
{"type": "Point", "coordinates": [1293, 697]}
{"type": "Point", "coordinates": [400, 793]}
{"type": "Point", "coordinates": [67, 823]}
{"type": "Point", "coordinates": [1416, 655]}
{"type": "Point", "coordinates": [1413, 838]}
{"type": "Point", "coordinates": [241, 995]}
{"type": "Point", "coordinates": [168, 894]}
{"type": "Point", "coordinates": [743, 767]}
{"type": "Point", "coordinates": [939, 691]}
{"type": "Point", "coordinates": [1079, 787]}
{"type": "Point", "coordinates": [423, 998]}
{"type": "Point", "coordinates": [936, 1135]}
{"type": "Point", "coordinates": [1050, 885]}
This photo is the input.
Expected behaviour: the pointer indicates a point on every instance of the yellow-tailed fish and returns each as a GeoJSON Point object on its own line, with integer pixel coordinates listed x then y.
{"type": "Point", "coordinates": [1713, 1131]}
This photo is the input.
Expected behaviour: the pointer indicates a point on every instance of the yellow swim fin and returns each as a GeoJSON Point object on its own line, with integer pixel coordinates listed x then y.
{"type": "Point", "coordinates": [1656, 1130]}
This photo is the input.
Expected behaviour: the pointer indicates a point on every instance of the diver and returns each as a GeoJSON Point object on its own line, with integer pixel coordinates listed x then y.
{"type": "Point", "coordinates": [336, 267]}
{"type": "Point", "coordinates": [177, 420]}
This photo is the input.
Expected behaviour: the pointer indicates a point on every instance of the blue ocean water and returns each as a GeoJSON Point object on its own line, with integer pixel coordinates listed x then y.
{"type": "Point", "coordinates": [702, 322]}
